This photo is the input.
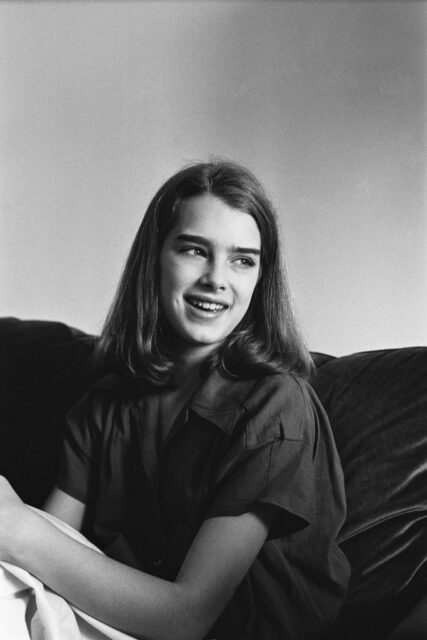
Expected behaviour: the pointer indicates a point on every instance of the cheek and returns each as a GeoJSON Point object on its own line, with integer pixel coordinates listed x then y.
{"type": "Point", "coordinates": [173, 281]}
{"type": "Point", "coordinates": [249, 295]}
{"type": "Point", "coordinates": [168, 273]}
{"type": "Point", "coordinates": [166, 282]}
{"type": "Point", "coordinates": [249, 289]}
{"type": "Point", "coordinates": [166, 288]}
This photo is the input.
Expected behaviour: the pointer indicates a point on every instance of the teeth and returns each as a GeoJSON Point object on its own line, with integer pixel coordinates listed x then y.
{"type": "Point", "coordinates": [207, 306]}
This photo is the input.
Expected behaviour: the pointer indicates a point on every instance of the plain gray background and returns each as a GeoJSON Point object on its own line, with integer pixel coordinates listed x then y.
{"type": "Point", "coordinates": [324, 100]}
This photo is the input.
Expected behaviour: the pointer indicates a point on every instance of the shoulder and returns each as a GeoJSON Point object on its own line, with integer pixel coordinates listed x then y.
{"type": "Point", "coordinates": [275, 390]}
{"type": "Point", "coordinates": [281, 405]}
{"type": "Point", "coordinates": [103, 400]}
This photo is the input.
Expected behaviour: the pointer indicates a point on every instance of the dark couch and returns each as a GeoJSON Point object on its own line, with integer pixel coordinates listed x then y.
{"type": "Point", "coordinates": [377, 405]}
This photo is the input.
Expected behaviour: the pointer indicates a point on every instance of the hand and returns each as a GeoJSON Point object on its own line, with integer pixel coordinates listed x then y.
{"type": "Point", "coordinates": [12, 520]}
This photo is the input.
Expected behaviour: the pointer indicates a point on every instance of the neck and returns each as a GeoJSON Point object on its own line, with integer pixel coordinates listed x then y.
{"type": "Point", "coordinates": [189, 367]}
{"type": "Point", "coordinates": [187, 371]}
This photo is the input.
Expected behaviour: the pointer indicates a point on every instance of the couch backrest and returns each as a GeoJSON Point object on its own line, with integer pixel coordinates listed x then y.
{"type": "Point", "coordinates": [377, 404]}
{"type": "Point", "coordinates": [44, 368]}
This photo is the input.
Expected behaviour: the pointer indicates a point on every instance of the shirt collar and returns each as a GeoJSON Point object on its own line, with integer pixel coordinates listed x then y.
{"type": "Point", "coordinates": [218, 399]}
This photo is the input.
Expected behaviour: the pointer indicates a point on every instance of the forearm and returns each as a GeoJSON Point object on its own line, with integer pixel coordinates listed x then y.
{"type": "Point", "coordinates": [127, 599]}
{"type": "Point", "coordinates": [135, 602]}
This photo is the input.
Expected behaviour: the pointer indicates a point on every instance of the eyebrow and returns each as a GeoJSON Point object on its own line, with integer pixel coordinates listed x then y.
{"type": "Point", "coordinates": [187, 237]}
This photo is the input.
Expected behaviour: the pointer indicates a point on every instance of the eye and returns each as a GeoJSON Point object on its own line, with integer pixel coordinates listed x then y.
{"type": "Point", "coordinates": [245, 261]}
{"type": "Point", "coordinates": [193, 251]}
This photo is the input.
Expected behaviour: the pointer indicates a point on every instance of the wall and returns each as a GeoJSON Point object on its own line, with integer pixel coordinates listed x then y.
{"type": "Point", "coordinates": [325, 101]}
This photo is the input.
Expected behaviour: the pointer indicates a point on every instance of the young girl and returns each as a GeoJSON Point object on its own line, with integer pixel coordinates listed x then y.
{"type": "Point", "coordinates": [202, 464]}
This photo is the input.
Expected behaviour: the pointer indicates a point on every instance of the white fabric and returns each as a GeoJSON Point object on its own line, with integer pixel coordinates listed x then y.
{"type": "Point", "coordinates": [31, 611]}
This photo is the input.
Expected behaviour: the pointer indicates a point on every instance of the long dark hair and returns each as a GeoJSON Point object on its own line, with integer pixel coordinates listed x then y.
{"type": "Point", "coordinates": [134, 339]}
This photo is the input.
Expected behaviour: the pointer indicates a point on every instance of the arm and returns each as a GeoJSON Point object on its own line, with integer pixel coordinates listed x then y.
{"type": "Point", "coordinates": [130, 600]}
{"type": "Point", "coordinates": [66, 508]}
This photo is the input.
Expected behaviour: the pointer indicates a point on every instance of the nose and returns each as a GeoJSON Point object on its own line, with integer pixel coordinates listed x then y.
{"type": "Point", "coordinates": [214, 276]}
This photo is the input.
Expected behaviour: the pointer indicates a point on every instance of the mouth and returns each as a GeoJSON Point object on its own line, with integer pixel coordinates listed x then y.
{"type": "Point", "coordinates": [206, 305]}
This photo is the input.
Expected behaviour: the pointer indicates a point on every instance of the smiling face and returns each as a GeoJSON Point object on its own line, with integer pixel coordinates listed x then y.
{"type": "Point", "coordinates": [209, 267]}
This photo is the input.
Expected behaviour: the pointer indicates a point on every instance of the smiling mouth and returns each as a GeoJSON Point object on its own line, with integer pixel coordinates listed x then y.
{"type": "Point", "coordinates": [204, 305]}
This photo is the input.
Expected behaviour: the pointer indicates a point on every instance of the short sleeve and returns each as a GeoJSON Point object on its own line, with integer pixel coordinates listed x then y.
{"type": "Point", "coordinates": [272, 461]}
{"type": "Point", "coordinates": [80, 437]}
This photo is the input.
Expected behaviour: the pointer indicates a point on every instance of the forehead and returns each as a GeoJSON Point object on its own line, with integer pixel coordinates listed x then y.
{"type": "Point", "coordinates": [210, 217]}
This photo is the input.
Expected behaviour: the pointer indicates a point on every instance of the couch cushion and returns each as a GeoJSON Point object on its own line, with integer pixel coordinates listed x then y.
{"type": "Point", "coordinates": [44, 368]}
{"type": "Point", "coordinates": [377, 405]}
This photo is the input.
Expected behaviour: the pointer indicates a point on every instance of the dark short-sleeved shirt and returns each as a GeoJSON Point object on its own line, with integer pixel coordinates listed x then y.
{"type": "Point", "coordinates": [235, 446]}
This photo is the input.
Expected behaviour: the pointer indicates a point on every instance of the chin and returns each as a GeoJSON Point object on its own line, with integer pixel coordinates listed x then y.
{"type": "Point", "coordinates": [202, 340]}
